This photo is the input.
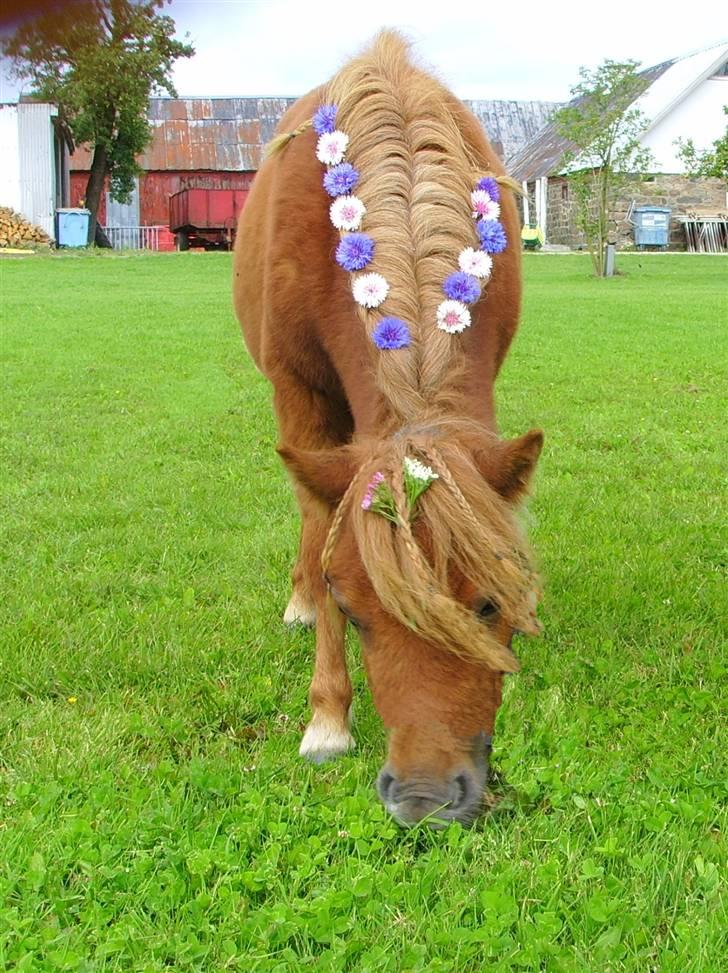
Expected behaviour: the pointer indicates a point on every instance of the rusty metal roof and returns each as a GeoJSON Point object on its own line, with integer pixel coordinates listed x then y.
{"type": "Point", "coordinates": [218, 134]}
{"type": "Point", "coordinates": [229, 134]}
{"type": "Point", "coordinates": [544, 155]}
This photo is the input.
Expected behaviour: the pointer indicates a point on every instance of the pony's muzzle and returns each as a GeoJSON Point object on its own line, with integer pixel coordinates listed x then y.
{"type": "Point", "coordinates": [417, 799]}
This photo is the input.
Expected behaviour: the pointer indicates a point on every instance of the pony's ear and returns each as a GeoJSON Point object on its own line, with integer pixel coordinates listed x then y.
{"type": "Point", "coordinates": [326, 473]}
{"type": "Point", "coordinates": [509, 464]}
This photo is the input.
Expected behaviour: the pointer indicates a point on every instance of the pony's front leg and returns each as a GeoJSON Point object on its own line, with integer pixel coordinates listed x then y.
{"type": "Point", "coordinates": [328, 735]}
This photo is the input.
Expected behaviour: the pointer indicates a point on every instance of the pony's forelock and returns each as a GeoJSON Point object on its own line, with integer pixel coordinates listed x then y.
{"type": "Point", "coordinates": [458, 521]}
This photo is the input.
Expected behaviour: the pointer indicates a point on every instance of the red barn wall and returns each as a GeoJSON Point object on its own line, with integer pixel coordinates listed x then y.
{"type": "Point", "coordinates": [155, 188]}
{"type": "Point", "coordinates": [79, 180]}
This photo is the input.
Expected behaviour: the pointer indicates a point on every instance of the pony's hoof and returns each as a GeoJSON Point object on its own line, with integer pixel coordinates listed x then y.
{"type": "Point", "coordinates": [324, 740]}
{"type": "Point", "coordinates": [299, 611]}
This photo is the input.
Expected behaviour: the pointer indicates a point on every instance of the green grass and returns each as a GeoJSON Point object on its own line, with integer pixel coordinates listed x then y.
{"type": "Point", "coordinates": [154, 814]}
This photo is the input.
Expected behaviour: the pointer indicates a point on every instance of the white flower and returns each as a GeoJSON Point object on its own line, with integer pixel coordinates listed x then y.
{"type": "Point", "coordinates": [370, 290]}
{"type": "Point", "coordinates": [331, 148]}
{"type": "Point", "coordinates": [418, 470]}
{"type": "Point", "coordinates": [453, 317]}
{"type": "Point", "coordinates": [347, 212]}
{"type": "Point", "coordinates": [476, 262]}
{"type": "Point", "coordinates": [483, 205]}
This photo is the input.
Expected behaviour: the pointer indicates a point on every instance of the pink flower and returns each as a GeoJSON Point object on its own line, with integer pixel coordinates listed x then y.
{"type": "Point", "coordinates": [475, 262]}
{"type": "Point", "coordinates": [370, 290]}
{"type": "Point", "coordinates": [453, 317]}
{"type": "Point", "coordinates": [483, 206]}
{"type": "Point", "coordinates": [347, 212]}
{"type": "Point", "coordinates": [331, 148]}
{"type": "Point", "coordinates": [372, 488]}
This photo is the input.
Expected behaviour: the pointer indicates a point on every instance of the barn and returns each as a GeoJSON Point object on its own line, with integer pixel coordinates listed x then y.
{"type": "Point", "coordinates": [218, 143]}
{"type": "Point", "coordinates": [683, 98]}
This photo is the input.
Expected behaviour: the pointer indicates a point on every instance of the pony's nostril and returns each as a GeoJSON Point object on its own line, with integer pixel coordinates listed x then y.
{"type": "Point", "coordinates": [460, 790]}
{"type": "Point", "coordinates": [384, 784]}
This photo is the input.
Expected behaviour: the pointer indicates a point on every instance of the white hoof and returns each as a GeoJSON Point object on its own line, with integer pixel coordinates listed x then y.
{"type": "Point", "coordinates": [325, 740]}
{"type": "Point", "coordinates": [300, 611]}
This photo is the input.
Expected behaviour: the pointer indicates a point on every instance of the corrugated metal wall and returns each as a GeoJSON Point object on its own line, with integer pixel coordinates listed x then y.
{"type": "Point", "coordinates": [9, 157]}
{"type": "Point", "coordinates": [37, 169]}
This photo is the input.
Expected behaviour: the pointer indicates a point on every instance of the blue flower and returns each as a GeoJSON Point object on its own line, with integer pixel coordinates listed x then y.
{"type": "Point", "coordinates": [325, 119]}
{"type": "Point", "coordinates": [492, 236]}
{"type": "Point", "coordinates": [490, 185]}
{"type": "Point", "coordinates": [462, 287]}
{"type": "Point", "coordinates": [341, 179]}
{"type": "Point", "coordinates": [391, 333]}
{"type": "Point", "coordinates": [355, 251]}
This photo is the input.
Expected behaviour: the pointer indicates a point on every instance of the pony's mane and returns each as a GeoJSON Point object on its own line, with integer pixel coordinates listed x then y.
{"type": "Point", "coordinates": [462, 521]}
{"type": "Point", "coordinates": [416, 176]}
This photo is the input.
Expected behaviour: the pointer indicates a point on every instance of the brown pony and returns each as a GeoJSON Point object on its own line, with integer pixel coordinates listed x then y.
{"type": "Point", "coordinates": [436, 596]}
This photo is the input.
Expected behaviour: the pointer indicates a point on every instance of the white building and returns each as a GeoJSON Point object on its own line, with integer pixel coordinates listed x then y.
{"type": "Point", "coordinates": [686, 101]}
{"type": "Point", "coordinates": [33, 162]}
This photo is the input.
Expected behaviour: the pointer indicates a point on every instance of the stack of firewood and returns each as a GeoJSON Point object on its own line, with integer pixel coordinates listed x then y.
{"type": "Point", "coordinates": [16, 231]}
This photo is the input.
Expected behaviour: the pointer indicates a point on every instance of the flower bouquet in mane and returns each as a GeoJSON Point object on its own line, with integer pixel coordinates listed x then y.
{"type": "Point", "coordinates": [381, 316]}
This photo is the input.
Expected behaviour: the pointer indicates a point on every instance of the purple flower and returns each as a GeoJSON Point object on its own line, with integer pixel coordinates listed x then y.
{"type": "Point", "coordinates": [341, 179]}
{"type": "Point", "coordinates": [371, 490]}
{"type": "Point", "coordinates": [325, 119]}
{"type": "Point", "coordinates": [355, 251]}
{"type": "Point", "coordinates": [492, 236]}
{"type": "Point", "coordinates": [462, 287]}
{"type": "Point", "coordinates": [391, 333]}
{"type": "Point", "coordinates": [490, 185]}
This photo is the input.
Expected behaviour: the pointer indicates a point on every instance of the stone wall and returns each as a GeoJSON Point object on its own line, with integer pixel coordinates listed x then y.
{"type": "Point", "coordinates": [682, 195]}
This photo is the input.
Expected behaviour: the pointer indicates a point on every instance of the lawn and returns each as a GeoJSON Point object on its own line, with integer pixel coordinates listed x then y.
{"type": "Point", "coordinates": [154, 814]}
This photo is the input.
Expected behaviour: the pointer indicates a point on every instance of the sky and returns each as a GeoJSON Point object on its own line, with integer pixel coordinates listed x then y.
{"type": "Point", "coordinates": [528, 51]}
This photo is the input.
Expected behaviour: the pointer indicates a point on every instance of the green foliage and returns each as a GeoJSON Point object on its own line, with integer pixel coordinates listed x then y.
{"type": "Point", "coordinates": [604, 131]}
{"type": "Point", "coordinates": [710, 162]}
{"type": "Point", "coordinates": [99, 61]}
{"type": "Point", "coordinates": [155, 815]}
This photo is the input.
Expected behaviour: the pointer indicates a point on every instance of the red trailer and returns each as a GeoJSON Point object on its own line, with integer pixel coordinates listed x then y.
{"type": "Point", "coordinates": [205, 217]}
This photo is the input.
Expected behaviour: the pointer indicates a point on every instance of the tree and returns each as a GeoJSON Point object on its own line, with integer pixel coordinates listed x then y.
{"type": "Point", "coordinates": [709, 162]}
{"type": "Point", "coordinates": [604, 129]}
{"type": "Point", "coordinates": [99, 61]}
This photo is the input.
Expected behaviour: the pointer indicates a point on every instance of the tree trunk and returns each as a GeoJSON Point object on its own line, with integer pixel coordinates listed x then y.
{"type": "Point", "coordinates": [94, 188]}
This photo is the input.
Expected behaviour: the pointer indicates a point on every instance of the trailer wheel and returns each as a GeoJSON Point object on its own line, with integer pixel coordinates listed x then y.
{"type": "Point", "coordinates": [182, 240]}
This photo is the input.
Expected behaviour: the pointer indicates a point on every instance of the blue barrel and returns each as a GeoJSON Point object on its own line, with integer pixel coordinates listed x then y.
{"type": "Point", "coordinates": [72, 227]}
{"type": "Point", "coordinates": [651, 226]}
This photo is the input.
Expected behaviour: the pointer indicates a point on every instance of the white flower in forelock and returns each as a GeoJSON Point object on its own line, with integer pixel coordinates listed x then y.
{"type": "Point", "coordinates": [483, 206]}
{"type": "Point", "coordinates": [347, 212]}
{"type": "Point", "coordinates": [453, 317]}
{"type": "Point", "coordinates": [418, 470]}
{"type": "Point", "coordinates": [476, 262]}
{"type": "Point", "coordinates": [331, 148]}
{"type": "Point", "coordinates": [370, 290]}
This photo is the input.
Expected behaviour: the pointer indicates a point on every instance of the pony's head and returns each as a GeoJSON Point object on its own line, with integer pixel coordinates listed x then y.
{"type": "Point", "coordinates": [435, 575]}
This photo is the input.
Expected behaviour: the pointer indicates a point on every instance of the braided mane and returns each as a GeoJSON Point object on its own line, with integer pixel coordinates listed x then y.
{"type": "Point", "coordinates": [417, 174]}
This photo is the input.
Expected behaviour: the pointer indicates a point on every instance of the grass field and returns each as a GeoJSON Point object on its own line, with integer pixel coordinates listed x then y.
{"type": "Point", "coordinates": [154, 814]}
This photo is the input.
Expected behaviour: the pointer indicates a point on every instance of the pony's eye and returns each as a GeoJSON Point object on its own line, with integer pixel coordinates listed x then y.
{"type": "Point", "coordinates": [486, 609]}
